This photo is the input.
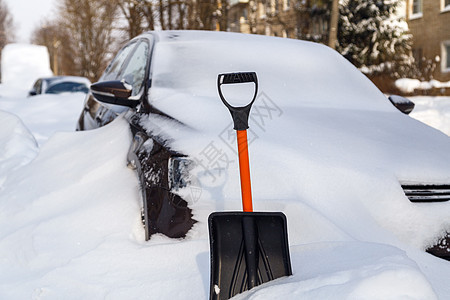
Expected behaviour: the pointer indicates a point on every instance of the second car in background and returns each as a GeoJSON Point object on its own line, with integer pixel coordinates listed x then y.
{"type": "Point", "coordinates": [60, 84]}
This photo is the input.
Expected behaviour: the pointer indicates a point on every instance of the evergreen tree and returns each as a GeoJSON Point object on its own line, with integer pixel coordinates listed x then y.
{"type": "Point", "coordinates": [372, 37]}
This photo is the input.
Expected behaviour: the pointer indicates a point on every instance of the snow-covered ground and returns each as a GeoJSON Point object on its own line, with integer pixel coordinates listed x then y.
{"type": "Point", "coordinates": [45, 114]}
{"type": "Point", "coordinates": [70, 224]}
{"type": "Point", "coordinates": [408, 85]}
{"type": "Point", "coordinates": [434, 111]}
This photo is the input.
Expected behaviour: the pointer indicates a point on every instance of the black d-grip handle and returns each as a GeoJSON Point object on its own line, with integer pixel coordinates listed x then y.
{"type": "Point", "coordinates": [239, 114]}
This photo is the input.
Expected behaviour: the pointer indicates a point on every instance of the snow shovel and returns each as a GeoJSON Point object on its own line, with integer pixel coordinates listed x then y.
{"type": "Point", "coordinates": [247, 248]}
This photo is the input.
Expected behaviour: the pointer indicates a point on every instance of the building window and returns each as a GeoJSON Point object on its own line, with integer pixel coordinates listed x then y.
{"type": "Point", "coordinates": [418, 57]}
{"type": "Point", "coordinates": [416, 9]}
{"type": "Point", "coordinates": [287, 4]}
{"type": "Point", "coordinates": [445, 63]}
{"type": "Point", "coordinates": [268, 7]}
{"type": "Point", "coordinates": [445, 5]}
{"type": "Point", "coordinates": [244, 14]}
{"type": "Point", "coordinates": [262, 10]}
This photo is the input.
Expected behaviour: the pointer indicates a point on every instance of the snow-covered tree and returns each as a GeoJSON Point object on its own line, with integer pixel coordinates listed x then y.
{"type": "Point", "coordinates": [372, 37]}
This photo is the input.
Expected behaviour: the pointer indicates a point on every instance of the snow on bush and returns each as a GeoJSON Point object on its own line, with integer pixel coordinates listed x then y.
{"type": "Point", "coordinates": [408, 85]}
{"type": "Point", "coordinates": [371, 38]}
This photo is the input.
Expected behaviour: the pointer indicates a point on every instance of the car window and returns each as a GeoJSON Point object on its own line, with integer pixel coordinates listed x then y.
{"type": "Point", "coordinates": [112, 72]}
{"type": "Point", "coordinates": [67, 87]}
{"type": "Point", "coordinates": [134, 72]}
{"type": "Point", "coordinates": [37, 86]}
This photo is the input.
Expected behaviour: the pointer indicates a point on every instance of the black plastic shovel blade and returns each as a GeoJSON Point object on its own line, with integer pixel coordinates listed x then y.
{"type": "Point", "coordinates": [247, 249]}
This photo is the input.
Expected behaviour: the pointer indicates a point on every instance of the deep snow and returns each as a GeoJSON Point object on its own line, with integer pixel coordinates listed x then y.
{"type": "Point", "coordinates": [70, 227]}
{"type": "Point", "coordinates": [46, 114]}
{"type": "Point", "coordinates": [70, 213]}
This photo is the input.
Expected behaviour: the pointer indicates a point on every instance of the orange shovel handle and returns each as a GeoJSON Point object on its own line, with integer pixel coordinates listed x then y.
{"type": "Point", "coordinates": [240, 121]}
{"type": "Point", "coordinates": [244, 168]}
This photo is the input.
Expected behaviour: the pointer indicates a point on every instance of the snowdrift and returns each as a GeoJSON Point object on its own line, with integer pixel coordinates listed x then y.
{"type": "Point", "coordinates": [70, 228]}
{"type": "Point", "coordinates": [22, 64]}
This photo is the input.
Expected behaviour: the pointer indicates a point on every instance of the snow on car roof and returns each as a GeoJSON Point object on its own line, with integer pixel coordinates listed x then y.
{"type": "Point", "coordinates": [295, 72]}
{"type": "Point", "coordinates": [310, 91]}
{"type": "Point", "coordinates": [291, 73]}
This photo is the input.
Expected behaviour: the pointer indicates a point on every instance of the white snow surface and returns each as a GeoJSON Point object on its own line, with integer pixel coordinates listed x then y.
{"type": "Point", "coordinates": [70, 209]}
{"type": "Point", "coordinates": [434, 111]}
{"type": "Point", "coordinates": [43, 114]}
{"type": "Point", "coordinates": [18, 145]}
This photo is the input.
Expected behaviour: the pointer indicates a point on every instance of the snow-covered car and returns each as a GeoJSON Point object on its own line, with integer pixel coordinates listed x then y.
{"type": "Point", "coordinates": [60, 84]}
{"type": "Point", "coordinates": [321, 135]}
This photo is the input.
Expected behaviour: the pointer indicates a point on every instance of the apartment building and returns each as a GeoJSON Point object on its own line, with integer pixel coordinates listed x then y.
{"type": "Point", "coordinates": [306, 19]}
{"type": "Point", "coordinates": [429, 23]}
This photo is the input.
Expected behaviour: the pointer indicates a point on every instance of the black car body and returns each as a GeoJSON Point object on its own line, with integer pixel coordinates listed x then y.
{"type": "Point", "coordinates": [162, 211]}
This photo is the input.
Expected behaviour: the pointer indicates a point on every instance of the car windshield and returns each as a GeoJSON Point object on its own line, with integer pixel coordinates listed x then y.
{"type": "Point", "coordinates": [67, 87]}
{"type": "Point", "coordinates": [51, 79]}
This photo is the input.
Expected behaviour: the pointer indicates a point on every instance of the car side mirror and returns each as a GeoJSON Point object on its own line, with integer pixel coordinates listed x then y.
{"type": "Point", "coordinates": [402, 104]}
{"type": "Point", "coordinates": [32, 93]}
{"type": "Point", "coordinates": [114, 92]}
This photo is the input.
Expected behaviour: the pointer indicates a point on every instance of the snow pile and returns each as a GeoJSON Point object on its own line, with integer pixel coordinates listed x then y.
{"type": "Point", "coordinates": [348, 270]}
{"type": "Point", "coordinates": [18, 146]}
{"type": "Point", "coordinates": [434, 111]}
{"type": "Point", "coordinates": [45, 114]}
{"type": "Point", "coordinates": [408, 85]}
{"type": "Point", "coordinates": [373, 37]}
{"type": "Point", "coordinates": [22, 64]}
{"type": "Point", "coordinates": [57, 219]}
